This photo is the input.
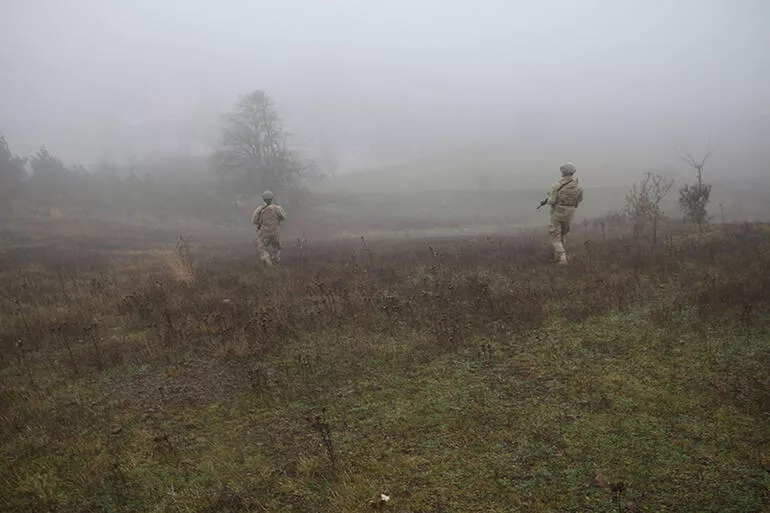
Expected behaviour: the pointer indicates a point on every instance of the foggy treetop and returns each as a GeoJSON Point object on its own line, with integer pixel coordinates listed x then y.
{"type": "Point", "coordinates": [624, 79]}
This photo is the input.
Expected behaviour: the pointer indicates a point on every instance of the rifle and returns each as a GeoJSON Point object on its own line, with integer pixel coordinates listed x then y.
{"type": "Point", "coordinates": [544, 202]}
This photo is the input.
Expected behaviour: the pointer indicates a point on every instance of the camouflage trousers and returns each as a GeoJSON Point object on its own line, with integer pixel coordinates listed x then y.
{"type": "Point", "coordinates": [269, 247]}
{"type": "Point", "coordinates": [558, 230]}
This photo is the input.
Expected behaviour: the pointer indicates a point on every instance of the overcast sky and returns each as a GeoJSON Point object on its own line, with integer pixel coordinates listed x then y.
{"type": "Point", "coordinates": [608, 76]}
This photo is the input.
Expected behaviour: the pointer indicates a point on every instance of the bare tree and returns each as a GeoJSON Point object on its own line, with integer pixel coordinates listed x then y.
{"type": "Point", "coordinates": [643, 203]}
{"type": "Point", "coordinates": [693, 198]}
{"type": "Point", "coordinates": [253, 155]}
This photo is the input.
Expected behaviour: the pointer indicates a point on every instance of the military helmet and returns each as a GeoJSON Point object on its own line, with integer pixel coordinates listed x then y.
{"type": "Point", "coordinates": [568, 169]}
{"type": "Point", "coordinates": [267, 195]}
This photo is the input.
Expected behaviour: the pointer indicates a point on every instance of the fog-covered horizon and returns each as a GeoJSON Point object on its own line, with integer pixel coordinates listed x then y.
{"type": "Point", "coordinates": [602, 81]}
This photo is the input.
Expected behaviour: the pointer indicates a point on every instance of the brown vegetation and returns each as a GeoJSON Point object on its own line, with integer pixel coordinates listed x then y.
{"type": "Point", "coordinates": [450, 374]}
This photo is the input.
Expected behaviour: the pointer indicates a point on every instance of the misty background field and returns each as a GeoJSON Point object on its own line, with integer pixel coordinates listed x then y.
{"type": "Point", "coordinates": [416, 350]}
{"type": "Point", "coordinates": [431, 116]}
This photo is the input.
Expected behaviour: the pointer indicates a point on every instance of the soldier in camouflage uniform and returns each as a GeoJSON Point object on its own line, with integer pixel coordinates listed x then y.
{"type": "Point", "coordinates": [564, 198]}
{"type": "Point", "coordinates": [267, 219]}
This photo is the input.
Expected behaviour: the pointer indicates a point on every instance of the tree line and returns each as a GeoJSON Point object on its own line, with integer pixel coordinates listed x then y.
{"type": "Point", "coordinates": [252, 155]}
{"type": "Point", "coordinates": [152, 186]}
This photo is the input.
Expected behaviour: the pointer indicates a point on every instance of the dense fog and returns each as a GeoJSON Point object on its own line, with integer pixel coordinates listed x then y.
{"type": "Point", "coordinates": [617, 86]}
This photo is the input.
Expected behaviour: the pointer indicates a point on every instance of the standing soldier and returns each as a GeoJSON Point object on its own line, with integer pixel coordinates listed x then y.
{"type": "Point", "coordinates": [267, 219]}
{"type": "Point", "coordinates": [565, 196]}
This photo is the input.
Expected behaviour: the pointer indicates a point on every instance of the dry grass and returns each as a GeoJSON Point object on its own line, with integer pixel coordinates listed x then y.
{"type": "Point", "coordinates": [451, 375]}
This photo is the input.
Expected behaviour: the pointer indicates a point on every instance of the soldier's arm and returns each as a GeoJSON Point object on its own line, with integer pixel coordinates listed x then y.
{"type": "Point", "coordinates": [255, 216]}
{"type": "Point", "coordinates": [580, 196]}
{"type": "Point", "coordinates": [281, 213]}
{"type": "Point", "coordinates": [553, 193]}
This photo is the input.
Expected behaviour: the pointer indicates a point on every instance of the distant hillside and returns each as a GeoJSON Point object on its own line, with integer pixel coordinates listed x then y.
{"type": "Point", "coordinates": [477, 172]}
{"type": "Point", "coordinates": [457, 199]}
{"type": "Point", "coordinates": [495, 170]}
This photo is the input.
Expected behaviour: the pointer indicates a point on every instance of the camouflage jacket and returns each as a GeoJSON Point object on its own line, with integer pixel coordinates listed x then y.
{"type": "Point", "coordinates": [566, 192]}
{"type": "Point", "coordinates": [565, 196]}
{"type": "Point", "coordinates": [267, 218]}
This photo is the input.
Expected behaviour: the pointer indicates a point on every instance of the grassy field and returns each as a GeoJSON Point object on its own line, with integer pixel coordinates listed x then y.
{"type": "Point", "coordinates": [453, 375]}
{"type": "Point", "coordinates": [490, 193]}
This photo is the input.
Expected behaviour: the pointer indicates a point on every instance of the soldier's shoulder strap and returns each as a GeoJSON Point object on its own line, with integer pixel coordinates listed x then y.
{"type": "Point", "coordinates": [260, 210]}
{"type": "Point", "coordinates": [556, 195]}
{"type": "Point", "coordinates": [564, 185]}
